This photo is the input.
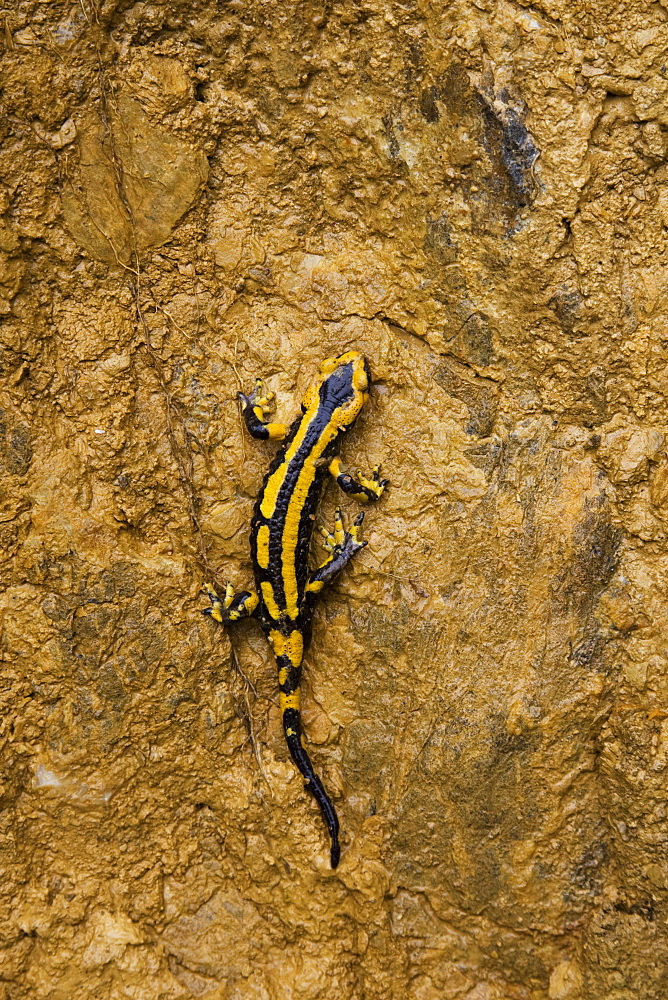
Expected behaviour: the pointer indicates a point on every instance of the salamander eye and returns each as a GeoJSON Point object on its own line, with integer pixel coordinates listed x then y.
{"type": "Point", "coordinates": [328, 366]}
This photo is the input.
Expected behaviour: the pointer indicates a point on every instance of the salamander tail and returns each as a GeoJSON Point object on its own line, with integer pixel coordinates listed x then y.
{"type": "Point", "coordinates": [293, 735]}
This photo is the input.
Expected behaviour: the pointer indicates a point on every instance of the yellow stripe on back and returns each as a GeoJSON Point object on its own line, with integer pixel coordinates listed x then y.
{"type": "Point", "coordinates": [270, 600]}
{"type": "Point", "coordinates": [295, 506]}
{"type": "Point", "coordinates": [295, 648]}
{"type": "Point", "coordinates": [289, 701]}
{"type": "Point", "coordinates": [291, 645]}
{"type": "Point", "coordinates": [277, 640]}
{"type": "Point", "coordinates": [263, 546]}
{"type": "Point", "coordinates": [273, 487]}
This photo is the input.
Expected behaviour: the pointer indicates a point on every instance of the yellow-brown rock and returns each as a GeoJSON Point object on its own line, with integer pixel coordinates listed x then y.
{"type": "Point", "coordinates": [474, 194]}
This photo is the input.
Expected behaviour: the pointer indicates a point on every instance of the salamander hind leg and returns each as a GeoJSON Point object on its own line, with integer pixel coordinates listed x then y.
{"type": "Point", "coordinates": [361, 488]}
{"type": "Point", "coordinates": [233, 606]}
{"type": "Point", "coordinates": [341, 546]}
{"type": "Point", "coordinates": [256, 406]}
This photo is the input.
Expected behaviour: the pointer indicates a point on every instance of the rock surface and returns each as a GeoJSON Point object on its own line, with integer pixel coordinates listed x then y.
{"type": "Point", "coordinates": [475, 194]}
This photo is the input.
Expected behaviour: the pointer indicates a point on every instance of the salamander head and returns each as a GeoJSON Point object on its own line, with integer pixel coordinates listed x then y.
{"type": "Point", "coordinates": [341, 387]}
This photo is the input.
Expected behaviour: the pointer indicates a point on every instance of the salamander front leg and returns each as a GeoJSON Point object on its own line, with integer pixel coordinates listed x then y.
{"type": "Point", "coordinates": [256, 406]}
{"type": "Point", "coordinates": [233, 606]}
{"type": "Point", "coordinates": [359, 487]}
{"type": "Point", "coordinates": [341, 546]}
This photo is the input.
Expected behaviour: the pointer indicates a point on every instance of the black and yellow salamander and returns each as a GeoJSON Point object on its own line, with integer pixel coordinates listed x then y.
{"type": "Point", "coordinates": [281, 530]}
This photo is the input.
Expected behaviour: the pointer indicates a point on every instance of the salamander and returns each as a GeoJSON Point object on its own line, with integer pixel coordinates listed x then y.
{"type": "Point", "coordinates": [287, 590]}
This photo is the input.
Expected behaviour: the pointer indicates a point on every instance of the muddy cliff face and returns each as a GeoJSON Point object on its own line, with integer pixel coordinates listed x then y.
{"type": "Point", "coordinates": [475, 195]}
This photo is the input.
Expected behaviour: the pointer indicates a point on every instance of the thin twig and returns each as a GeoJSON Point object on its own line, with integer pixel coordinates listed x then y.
{"type": "Point", "coordinates": [182, 455]}
{"type": "Point", "coordinates": [169, 316]}
{"type": "Point", "coordinates": [248, 685]}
